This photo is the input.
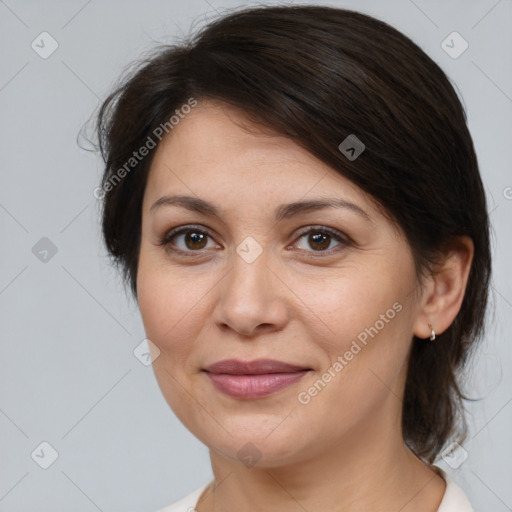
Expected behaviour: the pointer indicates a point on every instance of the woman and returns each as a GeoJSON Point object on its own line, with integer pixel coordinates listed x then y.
{"type": "Point", "coordinates": [294, 198]}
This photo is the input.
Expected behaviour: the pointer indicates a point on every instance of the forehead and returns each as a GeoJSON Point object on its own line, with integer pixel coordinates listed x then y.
{"type": "Point", "coordinates": [216, 150]}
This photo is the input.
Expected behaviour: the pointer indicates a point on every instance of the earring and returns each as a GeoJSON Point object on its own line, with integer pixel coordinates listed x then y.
{"type": "Point", "coordinates": [432, 333]}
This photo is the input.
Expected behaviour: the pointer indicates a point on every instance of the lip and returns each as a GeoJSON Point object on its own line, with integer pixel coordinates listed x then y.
{"type": "Point", "coordinates": [253, 379]}
{"type": "Point", "coordinates": [255, 367]}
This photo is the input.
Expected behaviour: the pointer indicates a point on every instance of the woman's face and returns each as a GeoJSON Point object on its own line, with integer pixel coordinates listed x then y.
{"type": "Point", "coordinates": [328, 290]}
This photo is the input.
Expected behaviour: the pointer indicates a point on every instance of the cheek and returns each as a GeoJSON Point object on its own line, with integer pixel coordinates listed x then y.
{"type": "Point", "coordinates": [363, 357]}
{"type": "Point", "coordinates": [366, 320]}
{"type": "Point", "coordinates": [173, 306]}
{"type": "Point", "coordinates": [353, 302]}
{"type": "Point", "coordinates": [162, 302]}
{"type": "Point", "coordinates": [171, 314]}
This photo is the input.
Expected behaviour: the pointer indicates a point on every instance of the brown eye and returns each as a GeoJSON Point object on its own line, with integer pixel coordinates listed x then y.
{"type": "Point", "coordinates": [188, 239]}
{"type": "Point", "coordinates": [321, 239]}
{"type": "Point", "coordinates": [195, 240]}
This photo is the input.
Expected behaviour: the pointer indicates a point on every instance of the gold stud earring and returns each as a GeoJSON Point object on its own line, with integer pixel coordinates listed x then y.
{"type": "Point", "coordinates": [432, 333]}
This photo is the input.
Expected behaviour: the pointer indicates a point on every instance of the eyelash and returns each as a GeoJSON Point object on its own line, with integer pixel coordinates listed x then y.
{"type": "Point", "coordinates": [344, 240]}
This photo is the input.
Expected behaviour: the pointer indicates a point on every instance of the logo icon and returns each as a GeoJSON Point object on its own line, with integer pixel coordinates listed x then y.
{"type": "Point", "coordinates": [454, 455]}
{"type": "Point", "coordinates": [249, 454]}
{"type": "Point", "coordinates": [351, 147]}
{"type": "Point", "coordinates": [454, 45]}
{"type": "Point", "coordinates": [249, 249]}
{"type": "Point", "coordinates": [146, 352]}
{"type": "Point", "coordinates": [44, 45]}
{"type": "Point", "coordinates": [44, 455]}
{"type": "Point", "coordinates": [44, 250]}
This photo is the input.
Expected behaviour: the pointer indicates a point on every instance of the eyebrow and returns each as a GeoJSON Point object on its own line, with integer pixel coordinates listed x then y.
{"type": "Point", "coordinates": [285, 211]}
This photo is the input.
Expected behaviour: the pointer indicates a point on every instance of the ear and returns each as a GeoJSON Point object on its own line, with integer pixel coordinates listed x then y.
{"type": "Point", "coordinates": [444, 290]}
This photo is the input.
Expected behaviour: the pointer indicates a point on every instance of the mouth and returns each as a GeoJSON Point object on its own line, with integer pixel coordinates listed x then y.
{"type": "Point", "coordinates": [253, 379]}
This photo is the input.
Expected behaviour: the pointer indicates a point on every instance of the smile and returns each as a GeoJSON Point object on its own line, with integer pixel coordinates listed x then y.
{"type": "Point", "coordinates": [253, 386]}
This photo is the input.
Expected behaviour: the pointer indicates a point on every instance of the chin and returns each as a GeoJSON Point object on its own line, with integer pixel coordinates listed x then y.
{"type": "Point", "coordinates": [254, 445]}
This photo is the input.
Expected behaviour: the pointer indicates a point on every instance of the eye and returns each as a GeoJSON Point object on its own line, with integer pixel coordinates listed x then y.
{"type": "Point", "coordinates": [320, 238]}
{"type": "Point", "coordinates": [191, 239]}
{"type": "Point", "coordinates": [187, 239]}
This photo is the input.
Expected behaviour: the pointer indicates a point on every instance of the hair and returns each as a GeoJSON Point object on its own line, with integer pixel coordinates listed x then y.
{"type": "Point", "coordinates": [318, 74]}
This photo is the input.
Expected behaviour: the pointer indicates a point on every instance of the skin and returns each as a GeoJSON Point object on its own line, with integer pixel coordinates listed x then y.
{"type": "Point", "coordinates": [295, 303]}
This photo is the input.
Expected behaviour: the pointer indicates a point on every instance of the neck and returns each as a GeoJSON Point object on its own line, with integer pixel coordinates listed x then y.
{"type": "Point", "coordinates": [371, 469]}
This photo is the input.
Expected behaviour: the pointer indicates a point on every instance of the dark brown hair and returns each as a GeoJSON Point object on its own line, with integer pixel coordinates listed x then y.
{"type": "Point", "coordinates": [318, 74]}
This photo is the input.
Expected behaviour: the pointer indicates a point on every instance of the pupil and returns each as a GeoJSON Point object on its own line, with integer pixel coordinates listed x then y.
{"type": "Point", "coordinates": [196, 238]}
{"type": "Point", "coordinates": [318, 238]}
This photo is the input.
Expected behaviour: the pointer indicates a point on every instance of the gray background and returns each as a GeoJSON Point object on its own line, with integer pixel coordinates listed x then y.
{"type": "Point", "coordinates": [68, 374]}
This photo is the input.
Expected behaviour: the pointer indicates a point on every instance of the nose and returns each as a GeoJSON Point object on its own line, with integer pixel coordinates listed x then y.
{"type": "Point", "coordinates": [251, 298]}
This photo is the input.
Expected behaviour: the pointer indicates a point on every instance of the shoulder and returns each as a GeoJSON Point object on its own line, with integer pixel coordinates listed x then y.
{"type": "Point", "coordinates": [454, 499]}
{"type": "Point", "coordinates": [187, 503]}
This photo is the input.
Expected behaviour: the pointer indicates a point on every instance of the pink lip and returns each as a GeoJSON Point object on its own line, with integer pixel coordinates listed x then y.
{"type": "Point", "coordinates": [253, 379]}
